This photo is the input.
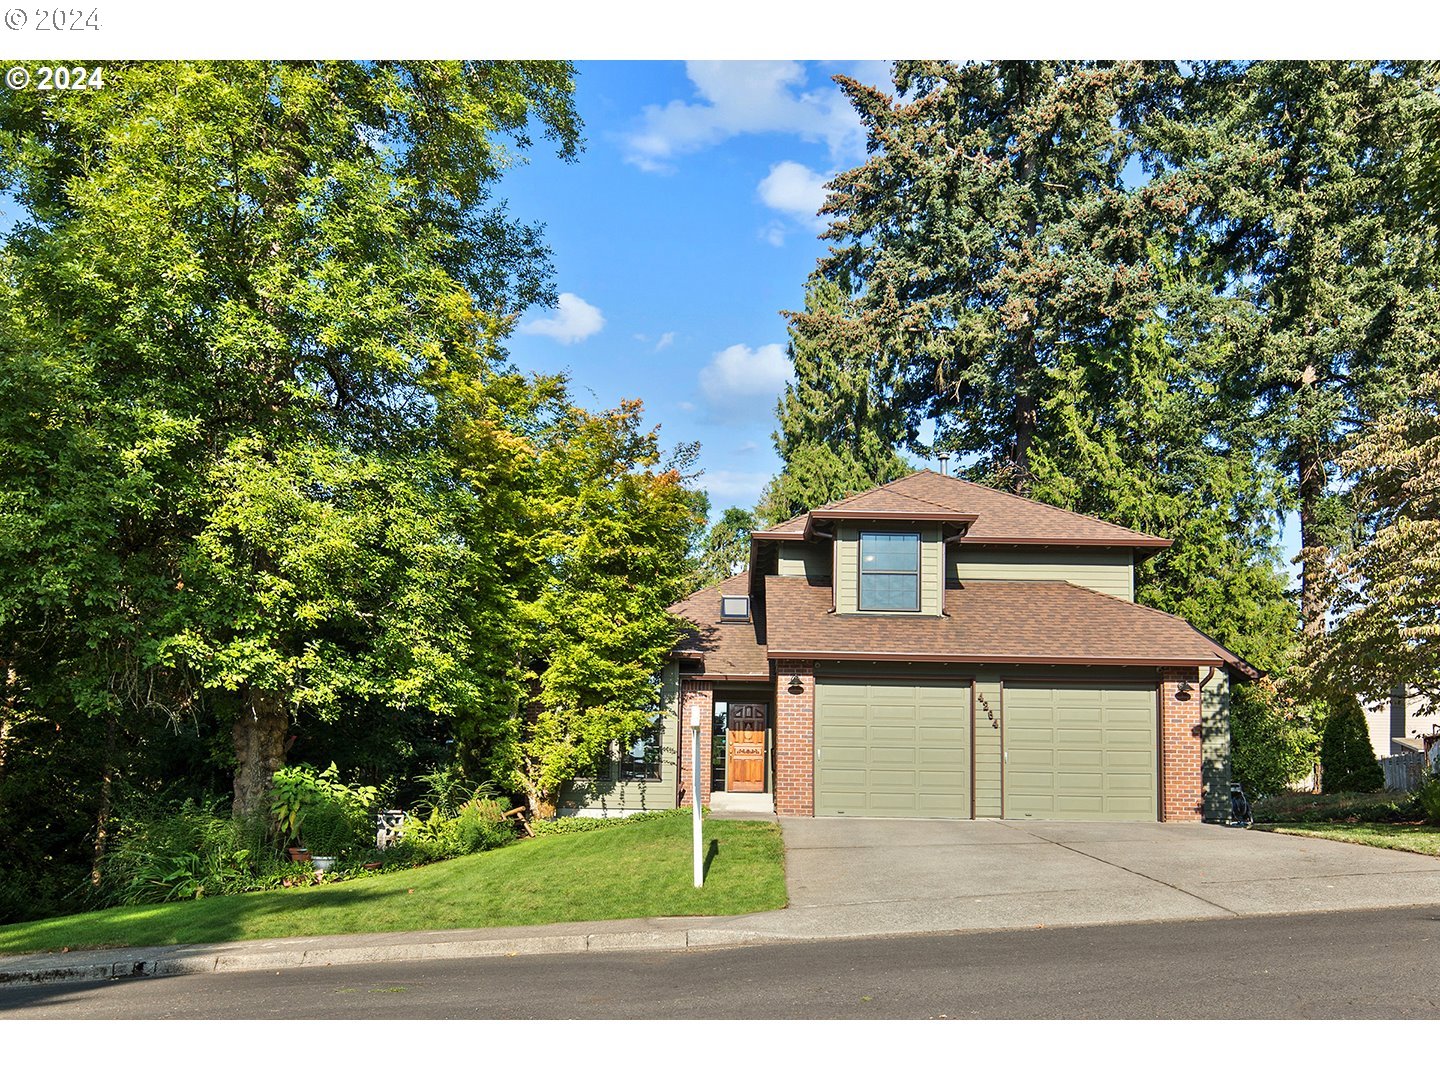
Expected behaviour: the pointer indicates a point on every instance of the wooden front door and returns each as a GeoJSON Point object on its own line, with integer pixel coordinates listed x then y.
{"type": "Point", "coordinates": [745, 747]}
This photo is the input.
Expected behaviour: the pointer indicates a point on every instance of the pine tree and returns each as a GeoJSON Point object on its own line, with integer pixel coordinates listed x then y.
{"type": "Point", "coordinates": [838, 425]}
{"type": "Point", "coordinates": [988, 239]}
{"type": "Point", "coordinates": [1309, 170]}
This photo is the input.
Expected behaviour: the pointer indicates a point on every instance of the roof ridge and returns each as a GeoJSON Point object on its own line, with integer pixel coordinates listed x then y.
{"type": "Point", "coordinates": [1048, 506]}
{"type": "Point", "coordinates": [870, 491]}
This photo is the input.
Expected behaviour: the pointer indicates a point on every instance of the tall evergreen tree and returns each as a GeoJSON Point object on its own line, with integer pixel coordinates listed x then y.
{"type": "Point", "coordinates": [839, 426]}
{"type": "Point", "coordinates": [1309, 174]}
{"type": "Point", "coordinates": [989, 239]}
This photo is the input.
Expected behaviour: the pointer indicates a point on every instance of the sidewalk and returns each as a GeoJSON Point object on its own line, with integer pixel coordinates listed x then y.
{"type": "Point", "coordinates": [869, 878]}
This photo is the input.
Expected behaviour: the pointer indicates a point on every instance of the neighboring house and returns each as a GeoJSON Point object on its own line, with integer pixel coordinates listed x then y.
{"type": "Point", "coordinates": [936, 648]}
{"type": "Point", "coordinates": [1397, 722]}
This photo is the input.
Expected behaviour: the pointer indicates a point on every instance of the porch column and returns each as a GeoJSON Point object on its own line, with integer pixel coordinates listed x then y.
{"type": "Point", "coordinates": [795, 738]}
{"type": "Point", "coordinates": [695, 692]}
{"type": "Point", "coordinates": [1181, 746]}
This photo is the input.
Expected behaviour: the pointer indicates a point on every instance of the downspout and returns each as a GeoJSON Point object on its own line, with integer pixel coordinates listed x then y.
{"type": "Point", "coordinates": [965, 528]}
{"type": "Point", "coordinates": [834, 568]}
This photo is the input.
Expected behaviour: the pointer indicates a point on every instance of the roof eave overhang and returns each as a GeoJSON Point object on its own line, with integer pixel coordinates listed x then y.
{"type": "Point", "coordinates": [1153, 543]}
{"type": "Point", "coordinates": [981, 658]}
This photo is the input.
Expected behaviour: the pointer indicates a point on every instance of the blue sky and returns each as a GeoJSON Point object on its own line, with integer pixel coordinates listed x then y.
{"type": "Point", "coordinates": [680, 234]}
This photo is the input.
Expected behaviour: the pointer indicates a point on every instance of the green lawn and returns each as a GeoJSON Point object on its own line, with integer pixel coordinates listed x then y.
{"type": "Point", "coordinates": [629, 871]}
{"type": "Point", "coordinates": [1400, 837]}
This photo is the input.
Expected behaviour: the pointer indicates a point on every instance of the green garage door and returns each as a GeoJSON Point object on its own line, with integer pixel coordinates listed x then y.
{"type": "Point", "coordinates": [892, 749]}
{"type": "Point", "coordinates": [1080, 753]}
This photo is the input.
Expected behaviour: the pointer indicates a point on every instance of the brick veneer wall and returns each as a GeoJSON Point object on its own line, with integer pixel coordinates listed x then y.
{"type": "Point", "coordinates": [795, 739]}
{"type": "Point", "coordinates": [1181, 747]}
{"type": "Point", "coordinates": [694, 692]}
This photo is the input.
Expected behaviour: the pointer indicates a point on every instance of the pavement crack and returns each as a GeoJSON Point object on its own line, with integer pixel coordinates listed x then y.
{"type": "Point", "coordinates": [1137, 873]}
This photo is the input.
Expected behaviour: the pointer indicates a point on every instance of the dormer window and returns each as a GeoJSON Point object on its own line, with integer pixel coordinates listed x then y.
{"type": "Point", "coordinates": [889, 571]}
{"type": "Point", "coordinates": [736, 608]}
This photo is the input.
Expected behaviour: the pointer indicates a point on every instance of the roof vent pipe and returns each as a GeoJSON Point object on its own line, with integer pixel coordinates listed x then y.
{"type": "Point", "coordinates": [944, 459]}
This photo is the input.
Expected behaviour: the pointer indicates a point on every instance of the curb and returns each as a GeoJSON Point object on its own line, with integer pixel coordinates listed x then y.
{"type": "Point", "coordinates": [327, 956]}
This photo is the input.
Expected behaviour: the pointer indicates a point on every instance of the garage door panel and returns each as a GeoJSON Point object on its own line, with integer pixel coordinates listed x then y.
{"type": "Point", "coordinates": [1080, 752]}
{"type": "Point", "coordinates": [904, 749]}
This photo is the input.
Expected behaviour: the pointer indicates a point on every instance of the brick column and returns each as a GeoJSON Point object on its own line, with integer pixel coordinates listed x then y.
{"type": "Point", "coordinates": [1181, 746]}
{"type": "Point", "coordinates": [795, 739]}
{"type": "Point", "coordinates": [695, 692]}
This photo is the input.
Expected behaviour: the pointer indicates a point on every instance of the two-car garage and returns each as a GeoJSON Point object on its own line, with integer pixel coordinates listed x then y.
{"type": "Point", "coordinates": [905, 748]}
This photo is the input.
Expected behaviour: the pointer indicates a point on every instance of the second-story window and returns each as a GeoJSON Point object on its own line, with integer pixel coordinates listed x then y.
{"type": "Point", "coordinates": [889, 571]}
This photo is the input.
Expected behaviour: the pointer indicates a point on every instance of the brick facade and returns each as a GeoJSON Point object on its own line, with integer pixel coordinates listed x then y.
{"type": "Point", "coordinates": [695, 692]}
{"type": "Point", "coordinates": [1181, 746]}
{"type": "Point", "coordinates": [795, 739]}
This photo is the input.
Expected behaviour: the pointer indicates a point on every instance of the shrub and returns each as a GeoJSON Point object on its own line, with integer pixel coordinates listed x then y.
{"type": "Point", "coordinates": [478, 825]}
{"type": "Point", "coordinates": [1428, 799]}
{"type": "Point", "coordinates": [1307, 807]}
{"type": "Point", "coordinates": [1347, 760]}
{"type": "Point", "coordinates": [557, 826]}
{"type": "Point", "coordinates": [1272, 747]}
{"type": "Point", "coordinates": [320, 811]}
{"type": "Point", "coordinates": [179, 852]}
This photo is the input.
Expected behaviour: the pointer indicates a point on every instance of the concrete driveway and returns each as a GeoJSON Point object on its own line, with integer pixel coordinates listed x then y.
{"type": "Point", "coordinates": [854, 877]}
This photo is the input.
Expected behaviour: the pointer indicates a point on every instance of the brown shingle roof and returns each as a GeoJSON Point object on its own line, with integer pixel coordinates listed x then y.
{"type": "Point", "coordinates": [727, 647]}
{"type": "Point", "coordinates": [999, 517]}
{"type": "Point", "coordinates": [1051, 622]}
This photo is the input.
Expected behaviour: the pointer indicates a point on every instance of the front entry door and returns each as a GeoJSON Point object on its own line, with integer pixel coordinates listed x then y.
{"type": "Point", "coordinates": [745, 748]}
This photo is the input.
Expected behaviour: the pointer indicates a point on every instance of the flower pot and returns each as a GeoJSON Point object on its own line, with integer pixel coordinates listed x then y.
{"type": "Point", "coordinates": [323, 863]}
{"type": "Point", "coordinates": [299, 854]}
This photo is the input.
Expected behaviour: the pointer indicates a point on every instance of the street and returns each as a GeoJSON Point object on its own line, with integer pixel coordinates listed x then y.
{"type": "Point", "coordinates": [1355, 964]}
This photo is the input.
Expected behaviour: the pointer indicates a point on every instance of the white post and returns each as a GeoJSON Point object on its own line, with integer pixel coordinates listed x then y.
{"type": "Point", "coordinates": [695, 790]}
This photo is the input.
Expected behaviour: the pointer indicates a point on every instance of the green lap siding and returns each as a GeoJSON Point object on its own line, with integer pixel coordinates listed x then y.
{"type": "Point", "coordinates": [892, 749]}
{"type": "Point", "coordinates": [1080, 753]}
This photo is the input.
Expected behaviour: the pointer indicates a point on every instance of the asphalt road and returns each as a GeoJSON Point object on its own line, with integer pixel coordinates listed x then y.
{"type": "Point", "coordinates": [1358, 964]}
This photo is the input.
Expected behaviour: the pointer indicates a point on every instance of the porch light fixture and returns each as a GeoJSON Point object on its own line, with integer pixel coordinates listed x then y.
{"type": "Point", "coordinates": [1184, 690]}
{"type": "Point", "coordinates": [695, 790]}
{"type": "Point", "coordinates": [796, 686]}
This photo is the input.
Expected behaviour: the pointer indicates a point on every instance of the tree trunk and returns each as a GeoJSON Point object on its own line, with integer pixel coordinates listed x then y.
{"type": "Point", "coordinates": [1312, 545]}
{"type": "Point", "coordinates": [1027, 360]}
{"type": "Point", "coordinates": [543, 804]}
{"type": "Point", "coordinates": [259, 736]}
{"type": "Point", "coordinates": [102, 815]}
{"type": "Point", "coordinates": [9, 712]}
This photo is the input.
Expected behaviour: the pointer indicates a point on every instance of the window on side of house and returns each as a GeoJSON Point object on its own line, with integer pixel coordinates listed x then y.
{"type": "Point", "coordinates": [889, 571]}
{"type": "Point", "coordinates": [641, 761]}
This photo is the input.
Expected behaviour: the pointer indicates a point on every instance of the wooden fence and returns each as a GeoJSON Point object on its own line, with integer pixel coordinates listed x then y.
{"type": "Point", "coordinates": [1405, 771]}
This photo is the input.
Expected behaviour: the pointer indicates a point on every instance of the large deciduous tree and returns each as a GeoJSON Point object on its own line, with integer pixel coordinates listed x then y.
{"type": "Point", "coordinates": [238, 280]}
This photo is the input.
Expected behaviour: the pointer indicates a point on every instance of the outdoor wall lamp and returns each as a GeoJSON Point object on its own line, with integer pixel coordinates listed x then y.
{"type": "Point", "coordinates": [1184, 690]}
{"type": "Point", "coordinates": [796, 686]}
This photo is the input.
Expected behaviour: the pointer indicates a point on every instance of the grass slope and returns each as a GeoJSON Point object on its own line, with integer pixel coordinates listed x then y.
{"type": "Point", "coordinates": [629, 871]}
{"type": "Point", "coordinates": [1396, 836]}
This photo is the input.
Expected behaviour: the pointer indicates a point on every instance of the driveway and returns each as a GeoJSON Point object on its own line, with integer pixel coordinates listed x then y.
{"type": "Point", "coordinates": [856, 877]}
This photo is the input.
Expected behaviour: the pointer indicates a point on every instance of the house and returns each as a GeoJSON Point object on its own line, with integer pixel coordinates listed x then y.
{"type": "Point", "coordinates": [1395, 723]}
{"type": "Point", "coordinates": [937, 648]}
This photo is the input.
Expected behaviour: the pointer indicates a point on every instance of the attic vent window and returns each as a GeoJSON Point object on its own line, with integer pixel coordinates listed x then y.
{"type": "Point", "coordinates": [735, 607]}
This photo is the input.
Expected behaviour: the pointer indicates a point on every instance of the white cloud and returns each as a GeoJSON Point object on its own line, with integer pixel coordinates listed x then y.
{"type": "Point", "coordinates": [773, 234]}
{"type": "Point", "coordinates": [685, 406]}
{"type": "Point", "coordinates": [666, 340]}
{"type": "Point", "coordinates": [728, 487]}
{"type": "Point", "coordinates": [745, 98]}
{"type": "Point", "coordinates": [574, 320]}
{"type": "Point", "coordinates": [793, 189]}
{"type": "Point", "coordinates": [744, 375]}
